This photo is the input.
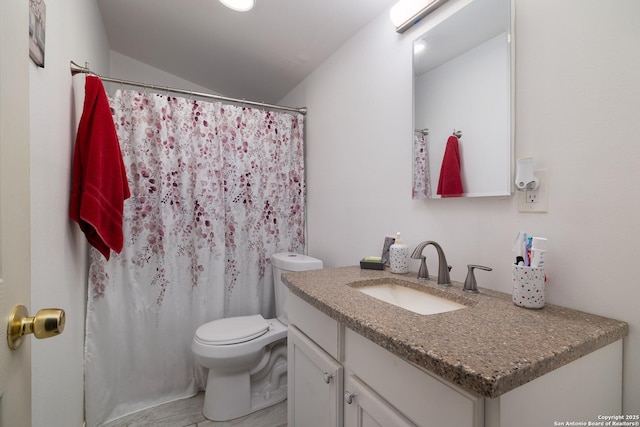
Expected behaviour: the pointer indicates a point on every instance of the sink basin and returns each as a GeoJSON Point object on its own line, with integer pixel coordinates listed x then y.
{"type": "Point", "coordinates": [410, 299]}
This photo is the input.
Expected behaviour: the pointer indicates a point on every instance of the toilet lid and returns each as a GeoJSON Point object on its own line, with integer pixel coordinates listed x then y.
{"type": "Point", "coordinates": [232, 330]}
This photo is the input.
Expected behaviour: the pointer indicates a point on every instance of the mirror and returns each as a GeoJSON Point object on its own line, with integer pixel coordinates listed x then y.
{"type": "Point", "coordinates": [462, 69]}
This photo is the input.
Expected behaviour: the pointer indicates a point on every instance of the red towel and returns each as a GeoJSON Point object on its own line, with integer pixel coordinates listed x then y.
{"type": "Point", "coordinates": [99, 181]}
{"type": "Point", "coordinates": [450, 183]}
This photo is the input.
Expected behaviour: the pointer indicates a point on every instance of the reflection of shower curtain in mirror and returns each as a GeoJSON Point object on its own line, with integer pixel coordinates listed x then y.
{"type": "Point", "coordinates": [215, 190]}
{"type": "Point", "coordinates": [421, 180]}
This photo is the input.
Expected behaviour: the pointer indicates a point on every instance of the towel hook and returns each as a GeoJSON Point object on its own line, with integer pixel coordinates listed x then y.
{"type": "Point", "coordinates": [457, 133]}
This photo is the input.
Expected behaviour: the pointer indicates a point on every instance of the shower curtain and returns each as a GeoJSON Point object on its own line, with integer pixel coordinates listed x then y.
{"type": "Point", "coordinates": [215, 190]}
{"type": "Point", "coordinates": [421, 179]}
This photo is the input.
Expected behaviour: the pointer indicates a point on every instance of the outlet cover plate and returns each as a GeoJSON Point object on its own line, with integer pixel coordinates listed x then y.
{"type": "Point", "coordinates": [538, 200]}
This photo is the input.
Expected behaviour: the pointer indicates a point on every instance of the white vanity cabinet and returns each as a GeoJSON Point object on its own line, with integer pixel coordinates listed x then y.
{"type": "Point", "coordinates": [338, 377]}
{"type": "Point", "coordinates": [582, 390]}
{"type": "Point", "coordinates": [314, 384]}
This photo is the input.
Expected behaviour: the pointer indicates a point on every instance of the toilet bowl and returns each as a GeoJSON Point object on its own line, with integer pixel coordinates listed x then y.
{"type": "Point", "coordinates": [247, 355]}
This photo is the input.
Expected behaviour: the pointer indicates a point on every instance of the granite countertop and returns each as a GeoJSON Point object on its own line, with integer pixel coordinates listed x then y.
{"type": "Point", "coordinates": [490, 347]}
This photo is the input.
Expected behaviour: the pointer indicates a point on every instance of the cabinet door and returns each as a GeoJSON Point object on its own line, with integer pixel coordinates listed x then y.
{"type": "Point", "coordinates": [314, 384]}
{"type": "Point", "coordinates": [364, 408]}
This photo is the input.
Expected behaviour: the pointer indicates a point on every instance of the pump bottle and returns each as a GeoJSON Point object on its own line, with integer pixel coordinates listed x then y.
{"type": "Point", "coordinates": [399, 256]}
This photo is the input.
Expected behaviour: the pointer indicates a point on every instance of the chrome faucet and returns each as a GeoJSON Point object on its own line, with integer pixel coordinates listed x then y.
{"type": "Point", "coordinates": [443, 268]}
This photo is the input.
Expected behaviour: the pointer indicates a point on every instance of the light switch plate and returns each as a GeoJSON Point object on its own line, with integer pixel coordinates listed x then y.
{"type": "Point", "coordinates": [536, 200]}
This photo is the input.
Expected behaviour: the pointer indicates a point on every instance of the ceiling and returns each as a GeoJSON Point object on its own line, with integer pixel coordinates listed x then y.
{"type": "Point", "coordinates": [258, 55]}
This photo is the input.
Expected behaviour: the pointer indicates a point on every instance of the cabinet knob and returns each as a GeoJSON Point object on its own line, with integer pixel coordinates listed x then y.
{"type": "Point", "coordinates": [348, 397]}
{"type": "Point", "coordinates": [327, 377]}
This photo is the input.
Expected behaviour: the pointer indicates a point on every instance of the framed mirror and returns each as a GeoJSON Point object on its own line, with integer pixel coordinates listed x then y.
{"type": "Point", "coordinates": [463, 103]}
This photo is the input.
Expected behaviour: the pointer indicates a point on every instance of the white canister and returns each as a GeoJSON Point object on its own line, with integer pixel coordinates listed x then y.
{"type": "Point", "coordinates": [399, 256]}
{"type": "Point", "coordinates": [528, 286]}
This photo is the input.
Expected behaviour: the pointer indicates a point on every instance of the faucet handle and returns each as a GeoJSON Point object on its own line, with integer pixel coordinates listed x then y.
{"type": "Point", "coordinates": [470, 284]}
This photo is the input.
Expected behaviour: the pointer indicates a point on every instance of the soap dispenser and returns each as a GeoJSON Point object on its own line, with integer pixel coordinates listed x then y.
{"type": "Point", "coordinates": [398, 256]}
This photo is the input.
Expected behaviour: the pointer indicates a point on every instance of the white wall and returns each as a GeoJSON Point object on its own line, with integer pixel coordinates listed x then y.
{"type": "Point", "coordinates": [127, 68]}
{"type": "Point", "coordinates": [74, 31]}
{"type": "Point", "coordinates": [577, 104]}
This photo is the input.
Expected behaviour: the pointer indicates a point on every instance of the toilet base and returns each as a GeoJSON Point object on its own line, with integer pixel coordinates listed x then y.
{"type": "Point", "coordinates": [270, 390]}
{"type": "Point", "coordinates": [223, 396]}
{"type": "Point", "coordinates": [232, 396]}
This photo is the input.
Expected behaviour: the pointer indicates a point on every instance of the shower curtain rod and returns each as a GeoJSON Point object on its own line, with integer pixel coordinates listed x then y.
{"type": "Point", "coordinates": [77, 69]}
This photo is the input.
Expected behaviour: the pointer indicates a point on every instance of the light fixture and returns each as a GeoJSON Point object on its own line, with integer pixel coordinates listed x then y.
{"type": "Point", "coordinates": [406, 13]}
{"type": "Point", "coordinates": [239, 5]}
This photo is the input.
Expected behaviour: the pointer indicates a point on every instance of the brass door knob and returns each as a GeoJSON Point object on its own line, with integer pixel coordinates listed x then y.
{"type": "Point", "coordinates": [47, 322]}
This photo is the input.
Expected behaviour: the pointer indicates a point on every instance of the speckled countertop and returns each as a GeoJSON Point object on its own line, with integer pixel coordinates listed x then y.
{"type": "Point", "coordinates": [490, 347]}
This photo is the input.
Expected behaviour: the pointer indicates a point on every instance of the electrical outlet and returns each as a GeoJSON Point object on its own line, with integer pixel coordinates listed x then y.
{"type": "Point", "coordinates": [536, 200]}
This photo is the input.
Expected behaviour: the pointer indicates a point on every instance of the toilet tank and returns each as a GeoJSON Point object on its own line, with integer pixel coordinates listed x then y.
{"type": "Point", "coordinates": [281, 263]}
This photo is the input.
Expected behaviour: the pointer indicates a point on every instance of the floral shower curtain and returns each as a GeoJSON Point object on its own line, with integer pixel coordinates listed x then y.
{"type": "Point", "coordinates": [215, 190]}
{"type": "Point", "coordinates": [421, 179]}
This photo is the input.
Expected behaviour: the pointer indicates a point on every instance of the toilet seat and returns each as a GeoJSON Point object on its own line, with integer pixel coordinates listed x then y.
{"type": "Point", "coordinates": [232, 330]}
{"type": "Point", "coordinates": [276, 330]}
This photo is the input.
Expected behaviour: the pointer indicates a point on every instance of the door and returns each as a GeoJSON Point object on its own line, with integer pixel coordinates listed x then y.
{"type": "Point", "coordinates": [314, 384]}
{"type": "Point", "coordinates": [364, 408]}
{"type": "Point", "coordinates": [15, 365]}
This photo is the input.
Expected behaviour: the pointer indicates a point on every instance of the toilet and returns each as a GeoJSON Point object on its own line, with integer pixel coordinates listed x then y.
{"type": "Point", "coordinates": [247, 355]}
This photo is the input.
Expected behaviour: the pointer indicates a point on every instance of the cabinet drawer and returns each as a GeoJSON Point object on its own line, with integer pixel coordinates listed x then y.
{"type": "Point", "coordinates": [425, 399]}
{"type": "Point", "coordinates": [322, 329]}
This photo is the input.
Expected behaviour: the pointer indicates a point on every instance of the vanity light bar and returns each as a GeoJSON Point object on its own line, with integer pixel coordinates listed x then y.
{"type": "Point", "coordinates": [407, 13]}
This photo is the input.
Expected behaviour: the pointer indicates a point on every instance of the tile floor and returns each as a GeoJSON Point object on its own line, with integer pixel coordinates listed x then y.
{"type": "Point", "coordinates": [188, 413]}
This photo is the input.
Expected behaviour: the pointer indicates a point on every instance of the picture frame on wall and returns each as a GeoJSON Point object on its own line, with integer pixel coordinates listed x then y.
{"type": "Point", "coordinates": [37, 27]}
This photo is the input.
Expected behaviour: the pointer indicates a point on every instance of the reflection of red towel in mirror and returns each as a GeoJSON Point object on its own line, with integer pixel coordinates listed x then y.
{"type": "Point", "coordinates": [99, 181]}
{"type": "Point", "coordinates": [450, 182]}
